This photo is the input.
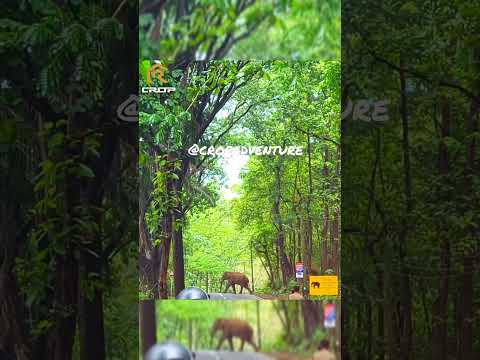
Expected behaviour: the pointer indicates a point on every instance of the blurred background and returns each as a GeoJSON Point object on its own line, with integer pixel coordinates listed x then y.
{"type": "Point", "coordinates": [244, 29]}
{"type": "Point", "coordinates": [281, 329]}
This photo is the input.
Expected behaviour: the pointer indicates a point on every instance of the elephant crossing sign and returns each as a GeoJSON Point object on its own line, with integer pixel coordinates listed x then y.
{"type": "Point", "coordinates": [324, 285]}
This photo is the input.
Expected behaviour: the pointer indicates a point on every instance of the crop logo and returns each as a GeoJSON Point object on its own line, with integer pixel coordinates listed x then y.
{"type": "Point", "coordinates": [156, 71]}
{"type": "Point", "coordinates": [159, 71]}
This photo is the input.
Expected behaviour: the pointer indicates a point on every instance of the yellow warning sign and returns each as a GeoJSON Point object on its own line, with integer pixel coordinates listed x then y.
{"type": "Point", "coordinates": [324, 285]}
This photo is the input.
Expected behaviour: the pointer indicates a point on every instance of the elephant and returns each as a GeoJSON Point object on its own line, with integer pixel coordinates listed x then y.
{"type": "Point", "coordinates": [236, 278]}
{"type": "Point", "coordinates": [231, 328]}
{"type": "Point", "coordinates": [315, 284]}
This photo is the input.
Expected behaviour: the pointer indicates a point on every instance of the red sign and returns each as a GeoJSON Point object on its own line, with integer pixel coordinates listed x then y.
{"type": "Point", "coordinates": [329, 316]}
{"type": "Point", "coordinates": [299, 270]}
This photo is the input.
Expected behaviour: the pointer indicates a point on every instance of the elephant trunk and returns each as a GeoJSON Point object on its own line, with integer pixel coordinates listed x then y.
{"type": "Point", "coordinates": [222, 281]}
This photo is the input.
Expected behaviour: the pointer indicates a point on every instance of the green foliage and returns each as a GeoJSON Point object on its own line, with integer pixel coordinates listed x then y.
{"type": "Point", "coordinates": [274, 103]}
{"type": "Point", "coordinates": [298, 30]}
{"type": "Point", "coordinates": [214, 243]}
{"type": "Point", "coordinates": [306, 98]}
{"type": "Point", "coordinates": [262, 30]}
{"type": "Point", "coordinates": [60, 71]}
{"type": "Point", "coordinates": [190, 323]}
{"type": "Point", "coordinates": [121, 310]}
{"type": "Point", "coordinates": [407, 196]}
{"type": "Point", "coordinates": [168, 127]}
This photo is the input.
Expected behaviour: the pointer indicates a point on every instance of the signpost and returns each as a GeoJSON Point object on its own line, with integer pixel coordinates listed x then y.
{"type": "Point", "coordinates": [299, 270]}
{"type": "Point", "coordinates": [324, 285]}
{"type": "Point", "coordinates": [329, 316]}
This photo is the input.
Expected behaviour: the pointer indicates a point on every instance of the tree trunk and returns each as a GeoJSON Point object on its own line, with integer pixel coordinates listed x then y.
{"type": "Point", "coordinates": [466, 312]}
{"type": "Point", "coordinates": [285, 264]}
{"type": "Point", "coordinates": [335, 245]}
{"type": "Point", "coordinates": [326, 220]}
{"type": "Point", "coordinates": [380, 319]}
{"type": "Point", "coordinates": [170, 231]}
{"type": "Point", "coordinates": [307, 258]}
{"type": "Point", "coordinates": [178, 253]}
{"type": "Point", "coordinates": [90, 309]}
{"type": "Point", "coordinates": [345, 330]}
{"type": "Point", "coordinates": [405, 288]}
{"type": "Point", "coordinates": [288, 321]}
{"type": "Point", "coordinates": [389, 305]}
{"type": "Point", "coordinates": [148, 253]}
{"type": "Point", "coordinates": [294, 247]}
{"type": "Point", "coordinates": [267, 264]}
{"type": "Point", "coordinates": [66, 283]}
{"type": "Point", "coordinates": [440, 307]}
{"type": "Point", "coordinates": [325, 262]}
{"type": "Point", "coordinates": [467, 315]}
{"type": "Point", "coordinates": [251, 267]}
{"type": "Point", "coordinates": [14, 337]}
{"type": "Point", "coordinates": [148, 325]}
{"type": "Point", "coordinates": [312, 317]}
{"type": "Point", "coordinates": [164, 256]}
{"type": "Point", "coordinates": [259, 326]}
{"type": "Point", "coordinates": [60, 343]}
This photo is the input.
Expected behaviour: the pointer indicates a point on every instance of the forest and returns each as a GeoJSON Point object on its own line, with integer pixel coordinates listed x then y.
{"type": "Point", "coordinates": [69, 164]}
{"type": "Point", "coordinates": [281, 329]}
{"type": "Point", "coordinates": [410, 184]}
{"type": "Point", "coordinates": [410, 191]}
{"type": "Point", "coordinates": [202, 216]}
{"type": "Point", "coordinates": [68, 181]}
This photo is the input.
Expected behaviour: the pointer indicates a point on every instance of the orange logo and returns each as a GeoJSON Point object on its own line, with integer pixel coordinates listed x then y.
{"type": "Point", "coordinates": [158, 71]}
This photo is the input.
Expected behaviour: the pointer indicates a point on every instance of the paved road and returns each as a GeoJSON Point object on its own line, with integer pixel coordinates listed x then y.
{"type": "Point", "coordinates": [227, 355]}
{"type": "Point", "coordinates": [229, 296]}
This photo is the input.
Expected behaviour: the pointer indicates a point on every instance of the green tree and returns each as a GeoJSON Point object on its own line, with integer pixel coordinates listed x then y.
{"type": "Point", "coordinates": [168, 129]}
{"type": "Point", "coordinates": [276, 217]}
{"type": "Point", "coordinates": [183, 31]}
{"type": "Point", "coordinates": [409, 228]}
{"type": "Point", "coordinates": [64, 233]}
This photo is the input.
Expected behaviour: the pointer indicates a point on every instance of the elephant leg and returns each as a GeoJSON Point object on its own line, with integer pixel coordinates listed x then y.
{"type": "Point", "coordinates": [222, 339]}
{"type": "Point", "coordinates": [234, 290]}
{"type": "Point", "coordinates": [242, 344]}
{"type": "Point", "coordinates": [241, 289]}
{"type": "Point", "coordinates": [230, 341]}
{"type": "Point", "coordinates": [253, 345]}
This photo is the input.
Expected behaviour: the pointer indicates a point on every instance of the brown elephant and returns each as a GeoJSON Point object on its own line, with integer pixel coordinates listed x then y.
{"type": "Point", "coordinates": [231, 328]}
{"type": "Point", "coordinates": [236, 278]}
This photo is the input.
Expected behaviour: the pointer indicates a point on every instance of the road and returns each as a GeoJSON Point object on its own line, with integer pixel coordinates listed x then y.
{"type": "Point", "coordinates": [230, 296]}
{"type": "Point", "coordinates": [227, 355]}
